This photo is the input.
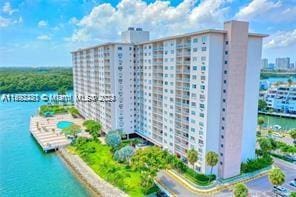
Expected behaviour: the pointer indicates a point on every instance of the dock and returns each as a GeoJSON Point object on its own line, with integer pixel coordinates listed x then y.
{"type": "Point", "coordinates": [47, 135]}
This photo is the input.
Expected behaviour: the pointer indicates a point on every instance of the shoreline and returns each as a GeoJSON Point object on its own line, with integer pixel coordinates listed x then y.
{"type": "Point", "coordinates": [96, 185]}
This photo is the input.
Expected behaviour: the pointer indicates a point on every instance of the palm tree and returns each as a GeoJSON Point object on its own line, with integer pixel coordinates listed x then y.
{"type": "Point", "coordinates": [192, 156]}
{"type": "Point", "coordinates": [212, 159]}
{"type": "Point", "coordinates": [290, 82]}
{"type": "Point", "coordinates": [265, 145]}
{"type": "Point", "coordinates": [260, 122]}
{"type": "Point", "coordinates": [276, 176]}
{"type": "Point", "coordinates": [293, 134]}
{"type": "Point", "coordinates": [240, 190]}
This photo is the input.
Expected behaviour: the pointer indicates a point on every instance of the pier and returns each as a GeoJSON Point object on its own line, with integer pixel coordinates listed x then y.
{"type": "Point", "coordinates": [46, 134]}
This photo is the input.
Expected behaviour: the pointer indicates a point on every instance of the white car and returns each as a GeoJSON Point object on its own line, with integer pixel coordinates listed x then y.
{"type": "Point", "coordinates": [281, 191]}
{"type": "Point", "coordinates": [293, 183]}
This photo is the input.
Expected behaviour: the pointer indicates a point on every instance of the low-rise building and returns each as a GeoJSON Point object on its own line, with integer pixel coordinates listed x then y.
{"type": "Point", "coordinates": [282, 99]}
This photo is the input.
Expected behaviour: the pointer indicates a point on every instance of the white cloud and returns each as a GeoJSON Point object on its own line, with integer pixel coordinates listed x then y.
{"type": "Point", "coordinates": [5, 22]}
{"type": "Point", "coordinates": [42, 23]}
{"type": "Point", "coordinates": [105, 21]}
{"type": "Point", "coordinates": [267, 10]}
{"type": "Point", "coordinates": [281, 39]}
{"type": "Point", "coordinates": [44, 37]}
{"type": "Point", "coordinates": [7, 9]}
{"type": "Point", "coordinates": [73, 21]}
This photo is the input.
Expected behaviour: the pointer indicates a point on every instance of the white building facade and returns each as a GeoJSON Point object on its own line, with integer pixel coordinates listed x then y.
{"type": "Point", "coordinates": [282, 99]}
{"type": "Point", "coordinates": [193, 91]}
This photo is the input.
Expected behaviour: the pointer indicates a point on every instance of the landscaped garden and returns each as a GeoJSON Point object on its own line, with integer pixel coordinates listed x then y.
{"type": "Point", "coordinates": [50, 110]}
{"type": "Point", "coordinates": [132, 170]}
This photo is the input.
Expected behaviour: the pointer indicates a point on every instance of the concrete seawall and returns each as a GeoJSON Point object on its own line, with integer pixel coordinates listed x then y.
{"type": "Point", "coordinates": [98, 186]}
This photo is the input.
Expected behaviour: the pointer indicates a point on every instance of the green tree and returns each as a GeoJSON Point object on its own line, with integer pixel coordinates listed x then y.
{"type": "Point", "coordinates": [73, 111]}
{"type": "Point", "coordinates": [124, 154]}
{"type": "Point", "coordinates": [212, 159]}
{"type": "Point", "coordinates": [240, 190]}
{"type": "Point", "coordinates": [93, 127]}
{"type": "Point", "coordinates": [72, 130]}
{"type": "Point", "coordinates": [293, 134]}
{"type": "Point", "coordinates": [113, 140]}
{"type": "Point", "coordinates": [290, 81]}
{"type": "Point", "coordinates": [265, 145]}
{"type": "Point", "coordinates": [260, 122]}
{"type": "Point", "coordinates": [276, 176]}
{"type": "Point", "coordinates": [293, 194]}
{"type": "Point", "coordinates": [192, 156]}
{"type": "Point", "coordinates": [62, 91]}
{"type": "Point", "coordinates": [262, 105]}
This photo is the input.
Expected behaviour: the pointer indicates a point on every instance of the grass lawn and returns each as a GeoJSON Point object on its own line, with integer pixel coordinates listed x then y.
{"type": "Point", "coordinates": [100, 158]}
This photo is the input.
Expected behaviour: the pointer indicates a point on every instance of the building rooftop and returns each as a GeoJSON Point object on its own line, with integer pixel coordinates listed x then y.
{"type": "Point", "coordinates": [171, 37]}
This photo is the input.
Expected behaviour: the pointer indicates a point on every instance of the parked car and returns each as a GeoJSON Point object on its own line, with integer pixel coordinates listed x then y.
{"type": "Point", "coordinates": [293, 183]}
{"type": "Point", "coordinates": [281, 191]}
{"type": "Point", "coordinates": [161, 194]}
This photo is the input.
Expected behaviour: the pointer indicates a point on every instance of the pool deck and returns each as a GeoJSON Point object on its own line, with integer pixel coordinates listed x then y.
{"type": "Point", "coordinates": [48, 135]}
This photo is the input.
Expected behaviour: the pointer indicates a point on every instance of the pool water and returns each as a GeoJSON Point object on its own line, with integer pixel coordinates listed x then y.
{"type": "Point", "coordinates": [64, 124]}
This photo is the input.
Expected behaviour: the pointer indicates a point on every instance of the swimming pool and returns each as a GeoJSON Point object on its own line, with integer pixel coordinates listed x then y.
{"type": "Point", "coordinates": [64, 124]}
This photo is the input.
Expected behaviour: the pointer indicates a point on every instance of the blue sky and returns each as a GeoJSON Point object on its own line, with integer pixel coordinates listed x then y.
{"type": "Point", "coordinates": [43, 32]}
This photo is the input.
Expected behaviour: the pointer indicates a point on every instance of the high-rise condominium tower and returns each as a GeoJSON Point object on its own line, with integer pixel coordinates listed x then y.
{"type": "Point", "coordinates": [193, 91]}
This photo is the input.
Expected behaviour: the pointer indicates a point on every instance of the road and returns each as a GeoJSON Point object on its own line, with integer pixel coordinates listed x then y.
{"type": "Point", "coordinates": [173, 185]}
{"type": "Point", "coordinates": [258, 187]}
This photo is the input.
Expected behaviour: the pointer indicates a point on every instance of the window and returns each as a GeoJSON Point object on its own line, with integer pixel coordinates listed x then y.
{"type": "Point", "coordinates": [225, 71]}
{"type": "Point", "coordinates": [225, 62]}
{"type": "Point", "coordinates": [194, 67]}
{"type": "Point", "coordinates": [203, 68]}
{"type": "Point", "coordinates": [203, 39]}
{"type": "Point", "coordinates": [195, 40]}
{"type": "Point", "coordinates": [194, 49]}
{"type": "Point", "coordinates": [226, 42]}
{"type": "Point", "coordinates": [226, 52]}
{"type": "Point", "coordinates": [203, 48]}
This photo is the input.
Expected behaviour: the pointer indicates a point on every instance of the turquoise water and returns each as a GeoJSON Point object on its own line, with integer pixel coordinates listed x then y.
{"type": "Point", "coordinates": [279, 79]}
{"type": "Point", "coordinates": [25, 170]}
{"type": "Point", "coordinates": [64, 124]}
{"type": "Point", "coordinates": [285, 123]}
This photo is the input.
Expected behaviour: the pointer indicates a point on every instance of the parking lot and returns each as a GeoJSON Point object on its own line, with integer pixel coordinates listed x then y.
{"type": "Point", "coordinates": [262, 187]}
